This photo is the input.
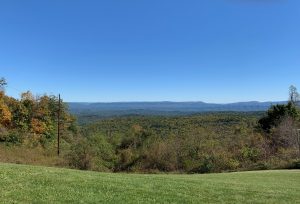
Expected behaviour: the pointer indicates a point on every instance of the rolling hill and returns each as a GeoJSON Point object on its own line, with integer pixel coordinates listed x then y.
{"type": "Point", "coordinates": [34, 184]}
{"type": "Point", "coordinates": [94, 111]}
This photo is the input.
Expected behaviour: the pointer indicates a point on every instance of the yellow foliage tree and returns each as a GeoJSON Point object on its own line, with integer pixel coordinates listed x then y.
{"type": "Point", "coordinates": [38, 126]}
{"type": "Point", "coordinates": [5, 115]}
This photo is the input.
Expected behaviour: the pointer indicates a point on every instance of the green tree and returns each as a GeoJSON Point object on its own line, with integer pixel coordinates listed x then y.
{"type": "Point", "coordinates": [276, 114]}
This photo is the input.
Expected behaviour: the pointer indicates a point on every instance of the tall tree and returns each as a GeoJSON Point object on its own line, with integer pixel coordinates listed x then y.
{"type": "Point", "coordinates": [275, 115]}
{"type": "Point", "coordinates": [3, 83]}
{"type": "Point", "coordinates": [293, 95]}
{"type": "Point", "coordinates": [5, 114]}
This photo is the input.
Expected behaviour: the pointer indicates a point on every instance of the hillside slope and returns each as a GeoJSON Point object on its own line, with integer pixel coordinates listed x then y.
{"type": "Point", "coordinates": [25, 184]}
{"type": "Point", "coordinates": [87, 112]}
{"type": "Point", "coordinates": [167, 106]}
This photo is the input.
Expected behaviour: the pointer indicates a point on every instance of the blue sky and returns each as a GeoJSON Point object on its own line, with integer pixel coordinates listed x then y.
{"type": "Point", "coordinates": [160, 50]}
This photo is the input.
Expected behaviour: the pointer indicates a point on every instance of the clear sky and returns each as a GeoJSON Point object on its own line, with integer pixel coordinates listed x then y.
{"type": "Point", "coordinates": [151, 50]}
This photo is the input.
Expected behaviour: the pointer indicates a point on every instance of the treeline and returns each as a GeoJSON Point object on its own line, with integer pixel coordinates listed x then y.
{"type": "Point", "coordinates": [211, 142]}
{"type": "Point", "coordinates": [31, 119]}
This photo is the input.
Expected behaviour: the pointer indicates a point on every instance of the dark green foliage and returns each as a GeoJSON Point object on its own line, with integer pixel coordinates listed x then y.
{"type": "Point", "coordinates": [295, 165]}
{"type": "Point", "coordinates": [11, 137]}
{"type": "Point", "coordinates": [275, 115]}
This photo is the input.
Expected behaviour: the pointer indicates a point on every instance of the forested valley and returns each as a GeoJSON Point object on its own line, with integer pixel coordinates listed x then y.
{"type": "Point", "coordinates": [196, 143]}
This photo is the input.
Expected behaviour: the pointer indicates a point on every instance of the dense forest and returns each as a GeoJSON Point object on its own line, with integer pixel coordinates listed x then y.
{"type": "Point", "coordinates": [92, 112]}
{"type": "Point", "coordinates": [198, 143]}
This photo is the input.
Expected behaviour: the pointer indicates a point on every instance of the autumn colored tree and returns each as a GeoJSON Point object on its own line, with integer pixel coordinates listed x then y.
{"type": "Point", "coordinates": [36, 115]}
{"type": "Point", "coordinates": [5, 114]}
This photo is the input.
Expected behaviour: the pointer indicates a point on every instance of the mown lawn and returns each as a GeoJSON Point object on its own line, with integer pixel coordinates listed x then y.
{"type": "Point", "coordinates": [33, 184]}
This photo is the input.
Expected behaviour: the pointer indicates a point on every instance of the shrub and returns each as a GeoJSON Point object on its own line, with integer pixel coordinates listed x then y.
{"type": "Point", "coordinates": [161, 156]}
{"type": "Point", "coordinates": [295, 165]}
{"type": "Point", "coordinates": [79, 157]}
{"type": "Point", "coordinates": [12, 137]}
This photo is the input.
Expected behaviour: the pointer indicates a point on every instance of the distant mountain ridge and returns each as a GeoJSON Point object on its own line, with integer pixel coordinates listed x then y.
{"type": "Point", "coordinates": [125, 108]}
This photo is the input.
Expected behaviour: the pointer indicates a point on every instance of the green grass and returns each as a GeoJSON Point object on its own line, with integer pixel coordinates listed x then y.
{"type": "Point", "coordinates": [33, 184]}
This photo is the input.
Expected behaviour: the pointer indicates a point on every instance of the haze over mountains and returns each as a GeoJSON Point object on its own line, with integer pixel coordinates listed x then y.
{"type": "Point", "coordinates": [163, 108]}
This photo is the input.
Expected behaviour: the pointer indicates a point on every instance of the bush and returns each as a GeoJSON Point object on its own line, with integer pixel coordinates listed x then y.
{"type": "Point", "coordinates": [250, 154]}
{"type": "Point", "coordinates": [91, 153]}
{"type": "Point", "coordinates": [79, 157]}
{"type": "Point", "coordinates": [260, 166]}
{"type": "Point", "coordinates": [126, 160]}
{"type": "Point", "coordinates": [207, 165]}
{"type": "Point", "coordinates": [161, 156]}
{"type": "Point", "coordinates": [295, 165]}
{"type": "Point", "coordinates": [11, 137]}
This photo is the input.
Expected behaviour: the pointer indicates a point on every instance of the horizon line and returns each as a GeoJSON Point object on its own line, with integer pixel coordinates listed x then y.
{"type": "Point", "coordinates": [275, 101]}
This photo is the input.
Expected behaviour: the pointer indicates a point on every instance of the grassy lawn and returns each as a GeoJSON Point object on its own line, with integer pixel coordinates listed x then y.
{"type": "Point", "coordinates": [33, 184]}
